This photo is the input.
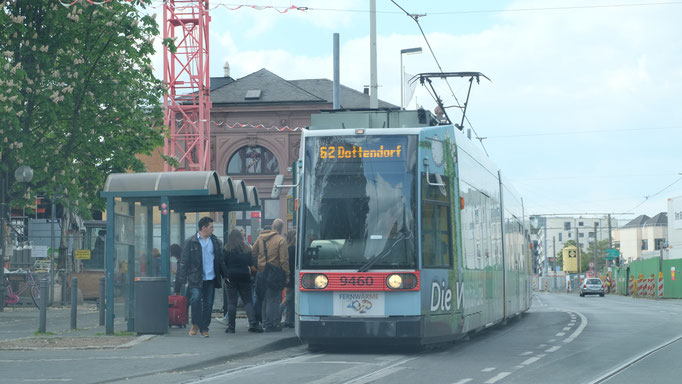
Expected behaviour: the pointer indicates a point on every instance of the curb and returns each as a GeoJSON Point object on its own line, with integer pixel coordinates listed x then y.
{"type": "Point", "coordinates": [278, 345]}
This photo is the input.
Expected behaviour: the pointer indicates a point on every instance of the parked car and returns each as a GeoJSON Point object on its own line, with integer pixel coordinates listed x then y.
{"type": "Point", "coordinates": [592, 286]}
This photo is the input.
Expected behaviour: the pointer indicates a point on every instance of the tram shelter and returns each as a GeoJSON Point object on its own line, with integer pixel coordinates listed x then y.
{"type": "Point", "coordinates": [145, 215]}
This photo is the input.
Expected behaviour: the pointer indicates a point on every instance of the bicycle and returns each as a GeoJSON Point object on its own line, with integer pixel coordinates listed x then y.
{"type": "Point", "coordinates": [12, 297]}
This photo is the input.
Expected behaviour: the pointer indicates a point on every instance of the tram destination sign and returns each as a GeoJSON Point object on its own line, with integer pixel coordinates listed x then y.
{"type": "Point", "coordinates": [359, 152]}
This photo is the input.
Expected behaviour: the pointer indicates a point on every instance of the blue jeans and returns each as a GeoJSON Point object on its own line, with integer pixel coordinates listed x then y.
{"type": "Point", "coordinates": [201, 303]}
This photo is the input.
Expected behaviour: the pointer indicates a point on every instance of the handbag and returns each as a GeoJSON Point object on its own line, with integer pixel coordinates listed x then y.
{"type": "Point", "coordinates": [275, 277]}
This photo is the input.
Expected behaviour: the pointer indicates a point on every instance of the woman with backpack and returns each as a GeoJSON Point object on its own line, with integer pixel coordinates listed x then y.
{"type": "Point", "coordinates": [237, 265]}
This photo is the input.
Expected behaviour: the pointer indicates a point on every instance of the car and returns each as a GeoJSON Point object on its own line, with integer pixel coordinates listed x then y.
{"type": "Point", "coordinates": [592, 286]}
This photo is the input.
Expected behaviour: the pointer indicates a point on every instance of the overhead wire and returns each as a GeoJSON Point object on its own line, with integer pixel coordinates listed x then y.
{"type": "Point", "coordinates": [646, 198]}
{"type": "Point", "coordinates": [433, 54]}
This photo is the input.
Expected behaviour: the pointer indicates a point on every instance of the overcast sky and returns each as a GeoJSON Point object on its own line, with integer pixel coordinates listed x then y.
{"type": "Point", "coordinates": [584, 111]}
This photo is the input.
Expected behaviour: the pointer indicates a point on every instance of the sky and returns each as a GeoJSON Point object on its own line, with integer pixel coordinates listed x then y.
{"type": "Point", "coordinates": [583, 113]}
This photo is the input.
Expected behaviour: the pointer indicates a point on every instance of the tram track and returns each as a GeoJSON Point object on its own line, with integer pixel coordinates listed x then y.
{"type": "Point", "coordinates": [625, 366]}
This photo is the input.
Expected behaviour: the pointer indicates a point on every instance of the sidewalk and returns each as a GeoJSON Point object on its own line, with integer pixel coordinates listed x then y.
{"type": "Point", "coordinates": [87, 355]}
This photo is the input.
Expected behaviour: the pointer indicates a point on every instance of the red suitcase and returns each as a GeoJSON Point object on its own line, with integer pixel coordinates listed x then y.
{"type": "Point", "coordinates": [177, 311]}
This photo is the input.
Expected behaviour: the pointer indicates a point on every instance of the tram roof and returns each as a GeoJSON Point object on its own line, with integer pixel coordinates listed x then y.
{"type": "Point", "coordinates": [188, 191]}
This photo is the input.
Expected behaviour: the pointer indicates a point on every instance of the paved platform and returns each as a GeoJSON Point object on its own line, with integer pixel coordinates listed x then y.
{"type": "Point", "coordinates": [88, 355]}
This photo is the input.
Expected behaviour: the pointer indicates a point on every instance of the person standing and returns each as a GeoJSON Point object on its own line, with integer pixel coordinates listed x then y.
{"type": "Point", "coordinates": [289, 297]}
{"type": "Point", "coordinates": [271, 248]}
{"type": "Point", "coordinates": [237, 269]}
{"type": "Point", "coordinates": [200, 267]}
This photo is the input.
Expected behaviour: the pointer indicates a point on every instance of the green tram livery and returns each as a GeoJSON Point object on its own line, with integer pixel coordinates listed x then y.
{"type": "Point", "coordinates": [407, 233]}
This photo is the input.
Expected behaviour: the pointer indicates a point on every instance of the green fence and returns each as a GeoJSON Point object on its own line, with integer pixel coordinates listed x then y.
{"type": "Point", "coordinates": [671, 270]}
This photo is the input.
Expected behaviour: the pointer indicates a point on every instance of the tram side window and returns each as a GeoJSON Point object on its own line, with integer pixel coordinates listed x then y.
{"type": "Point", "coordinates": [436, 249]}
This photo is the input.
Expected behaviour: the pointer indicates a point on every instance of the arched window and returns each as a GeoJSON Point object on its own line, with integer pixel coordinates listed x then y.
{"type": "Point", "coordinates": [253, 161]}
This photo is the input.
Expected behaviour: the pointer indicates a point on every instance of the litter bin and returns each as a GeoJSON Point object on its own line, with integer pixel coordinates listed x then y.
{"type": "Point", "coordinates": [151, 305]}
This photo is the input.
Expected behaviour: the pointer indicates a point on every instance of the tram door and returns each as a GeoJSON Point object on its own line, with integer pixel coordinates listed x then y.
{"type": "Point", "coordinates": [440, 287]}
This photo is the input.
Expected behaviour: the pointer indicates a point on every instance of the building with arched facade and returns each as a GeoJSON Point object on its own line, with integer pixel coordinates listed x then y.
{"type": "Point", "coordinates": [255, 131]}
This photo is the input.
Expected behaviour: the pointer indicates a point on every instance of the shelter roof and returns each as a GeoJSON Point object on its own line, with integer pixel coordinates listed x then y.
{"type": "Point", "coordinates": [190, 191]}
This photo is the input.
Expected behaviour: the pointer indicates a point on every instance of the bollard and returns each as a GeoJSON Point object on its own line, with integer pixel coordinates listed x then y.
{"type": "Point", "coordinates": [74, 301]}
{"type": "Point", "coordinates": [102, 294]}
{"type": "Point", "coordinates": [43, 306]}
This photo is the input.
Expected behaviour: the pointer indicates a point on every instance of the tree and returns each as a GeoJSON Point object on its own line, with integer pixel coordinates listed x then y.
{"type": "Point", "coordinates": [78, 99]}
{"type": "Point", "coordinates": [588, 256]}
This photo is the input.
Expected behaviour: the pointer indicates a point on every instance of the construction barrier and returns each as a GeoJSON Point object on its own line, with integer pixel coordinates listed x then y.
{"type": "Point", "coordinates": [660, 285]}
{"type": "Point", "coordinates": [630, 283]}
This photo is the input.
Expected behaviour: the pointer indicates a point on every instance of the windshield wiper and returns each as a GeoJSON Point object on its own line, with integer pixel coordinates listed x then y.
{"type": "Point", "coordinates": [374, 259]}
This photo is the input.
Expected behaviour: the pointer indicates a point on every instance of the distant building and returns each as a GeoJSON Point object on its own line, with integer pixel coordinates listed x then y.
{"type": "Point", "coordinates": [561, 229]}
{"type": "Point", "coordinates": [675, 228]}
{"type": "Point", "coordinates": [642, 238]}
{"type": "Point", "coordinates": [255, 131]}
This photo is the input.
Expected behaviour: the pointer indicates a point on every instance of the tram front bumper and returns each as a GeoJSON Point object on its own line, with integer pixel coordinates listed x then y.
{"type": "Point", "coordinates": [399, 329]}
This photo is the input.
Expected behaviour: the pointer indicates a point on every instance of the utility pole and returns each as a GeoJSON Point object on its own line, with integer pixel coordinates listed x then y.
{"type": "Point", "coordinates": [594, 257]}
{"type": "Point", "coordinates": [544, 249]}
{"type": "Point", "coordinates": [373, 86]}
{"type": "Point", "coordinates": [554, 257]}
{"type": "Point", "coordinates": [577, 243]}
{"type": "Point", "coordinates": [554, 251]}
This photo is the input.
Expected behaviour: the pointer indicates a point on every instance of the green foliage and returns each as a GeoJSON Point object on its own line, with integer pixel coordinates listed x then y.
{"type": "Point", "coordinates": [587, 255]}
{"type": "Point", "coordinates": [78, 99]}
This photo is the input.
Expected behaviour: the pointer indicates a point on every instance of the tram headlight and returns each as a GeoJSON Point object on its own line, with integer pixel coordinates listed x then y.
{"type": "Point", "coordinates": [401, 281]}
{"type": "Point", "coordinates": [394, 281]}
{"type": "Point", "coordinates": [314, 281]}
{"type": "Point", "coordinates": [321, 281]}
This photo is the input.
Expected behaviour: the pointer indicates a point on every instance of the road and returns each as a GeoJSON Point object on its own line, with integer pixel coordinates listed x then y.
{"type": "Point", "coordinates": [563, 339]}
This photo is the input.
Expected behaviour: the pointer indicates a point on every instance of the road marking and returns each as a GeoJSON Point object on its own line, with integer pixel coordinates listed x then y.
{"type": "Point", "coordinates": [377, 373]}
{"type": "Point", "coordinates": [554, 348]}
{"type": "Point", "coordinates": [566, 329]}
{"type": "Point", "coordinates": [531, 360]}
{"type": "Point", "coordinates": [551, 340]}
{"type": "Point", "coordinates": [374, 376]}
{"type": "Point", "coordinates": [219, 376]}
{"type": "Point", "coordinates": [499, 377]}
{"type": "Point", "coordinates": [560, 334]}
{"type": "Point", "coordinates": [519, 366]}
{"type": "Point", "coordinates": [526, 353]}
{"type": "Point", "coordinates": [579, 330]}
{"type": "Point", "coordinates": [488, 369]}
{"type": "Point", "coordinates": [542, 345]}
{"type": "Point", "coordinates": [463, 381]}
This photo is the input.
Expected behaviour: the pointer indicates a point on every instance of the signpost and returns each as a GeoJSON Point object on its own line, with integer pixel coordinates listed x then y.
{"type": "Point", "coordinates": [612, 254]}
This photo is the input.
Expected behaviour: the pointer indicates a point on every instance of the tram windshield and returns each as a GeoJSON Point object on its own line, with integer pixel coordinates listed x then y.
{"type": "Point", "coordinates": [360, 204]}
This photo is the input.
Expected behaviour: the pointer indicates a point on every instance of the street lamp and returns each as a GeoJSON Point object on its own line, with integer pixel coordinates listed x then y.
{"type": "Point", "coordinates": [406, 51]}
{"type": "Point", "coordinates": [23, 174]}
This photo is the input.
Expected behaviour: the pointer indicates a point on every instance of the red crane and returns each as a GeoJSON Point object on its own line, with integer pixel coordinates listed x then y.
{"type": "Point", "coordinates": [187, 103]}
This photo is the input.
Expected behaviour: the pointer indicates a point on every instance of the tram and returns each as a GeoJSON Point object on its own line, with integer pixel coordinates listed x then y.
{"type": "Point", "coordinates": [407, 233]}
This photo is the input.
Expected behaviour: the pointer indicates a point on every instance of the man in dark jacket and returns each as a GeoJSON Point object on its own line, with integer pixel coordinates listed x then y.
{"type": "Point", "coordinates": [277, 255]}
{"type": "Point", "coordinates": [200, 267]}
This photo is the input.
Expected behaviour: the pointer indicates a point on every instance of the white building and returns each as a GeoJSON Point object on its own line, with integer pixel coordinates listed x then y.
{"type": "Point", "coordinates": [555, 231]}
{"type": "Point", "coordinates": [642, 238]}
{"type": "Point", "coordinates": [674, 228]}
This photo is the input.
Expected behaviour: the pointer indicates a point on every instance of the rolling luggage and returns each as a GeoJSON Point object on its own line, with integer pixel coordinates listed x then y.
{"type": "Point", "coordinates": [177, 311]}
